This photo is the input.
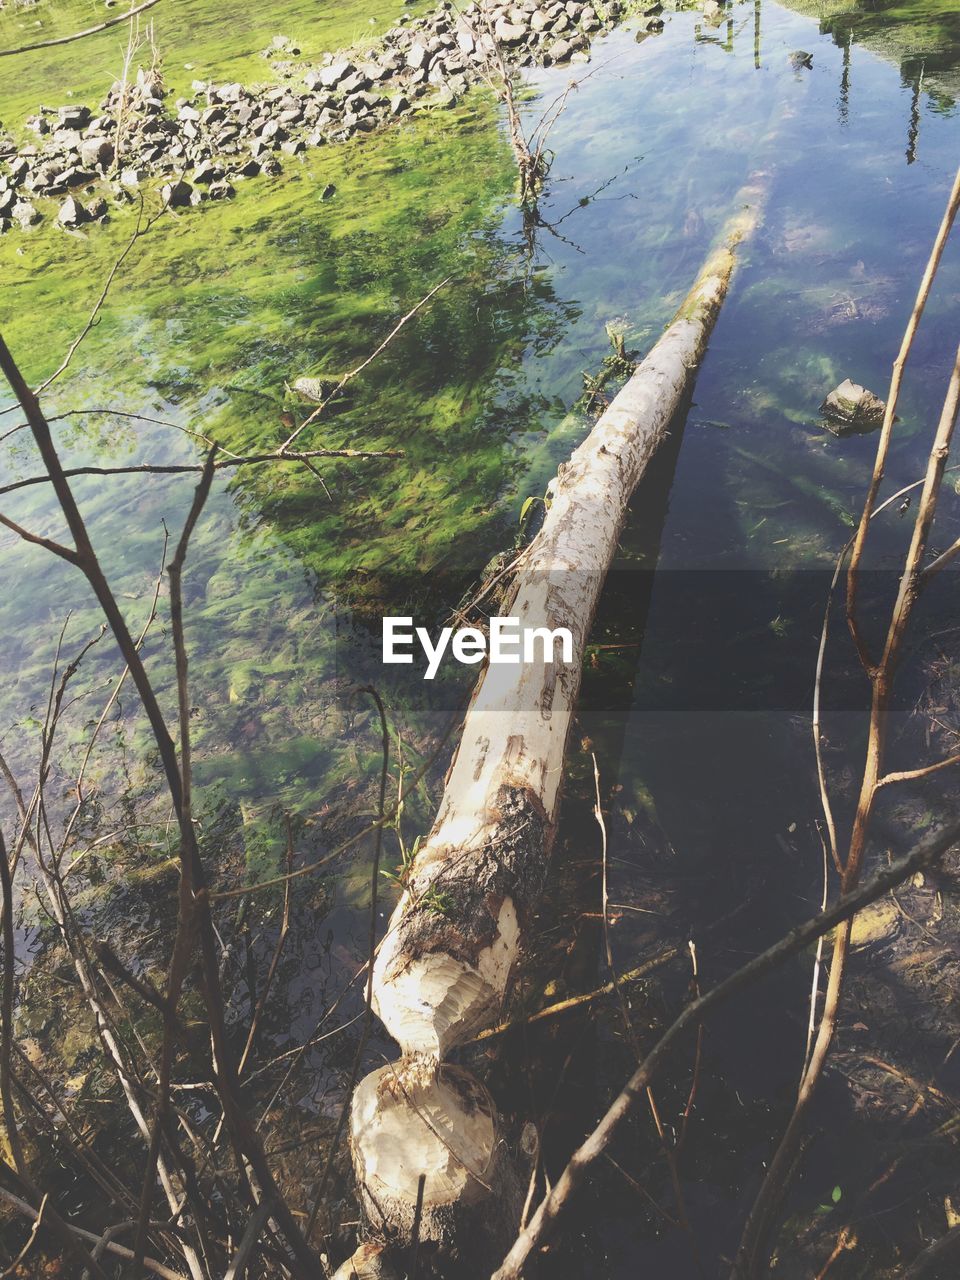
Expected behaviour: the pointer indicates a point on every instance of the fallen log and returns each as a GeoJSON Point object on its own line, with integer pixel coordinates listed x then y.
{"type": "Point", "coordinates": [442, 970]}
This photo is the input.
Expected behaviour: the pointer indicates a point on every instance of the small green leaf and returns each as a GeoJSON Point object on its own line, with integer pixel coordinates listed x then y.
{"type": "Point", "coordinates": [836, 1194]}
{"type": "Point", "coordinates": [528, 503]}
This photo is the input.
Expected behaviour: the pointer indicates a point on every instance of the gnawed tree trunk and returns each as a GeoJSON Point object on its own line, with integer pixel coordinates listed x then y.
{"type": "Point", "coordinates": [442, 970]}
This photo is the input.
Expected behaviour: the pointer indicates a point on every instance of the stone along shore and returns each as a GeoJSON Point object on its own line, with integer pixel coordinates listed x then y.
{"type": "Point", "coordinates": [199, 147]}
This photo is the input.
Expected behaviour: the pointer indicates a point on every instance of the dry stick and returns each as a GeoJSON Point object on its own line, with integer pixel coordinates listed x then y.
{"type": "Point", "coordinates": [256, 459]}
{"type": "Point", "coordinates": [6, 1029]}
{"type": "Point", "coordinates": [360, 367]}
{"type": "Point", "coordinates": [238, 1263]}
{"type": "Point", "coordinates": [376, 825]}
{"type": "Point", "coordinates": [116, 413]}
{"type": "Point", "coordinates": [928, 851]}
{"type": "Point", "coordinates": [825, 801]}
{"type": "Point", "coordinates": [781, 1168]}
{"type": "Point", "coordinates": [912, 775]}
{"type": "Point", "coordinates": [63, 918]}
{"type": "Point", "coordinates": [139, 230]}
{"type": "Point", "coordinates": [278, 951]}
{"type": "Point", "coordinates": [12, 1269]}
{"type": "Point", "coordinates": [818, 959]}
{"type": "Point", "coordinates": [943, 559]}
{"type": "Point", "coordinates": [886, 430]}
{"type": "Point", "coordinates": [104, 1026]}
{"type": "Point", "coordinates": [78, 1233]}
{"type": "Point", "coordinates": [79, 35]}
{"type": "Point", "coordinates": [371, 952]}
{"type": "Point", "coordinates": [65, 1233]}
{"type": "Point", "coordinates": [114, 695]}
{"type": "Point", "coordinates": [185, 938]}
{"type": "Point", "coordinates": [84, 557]}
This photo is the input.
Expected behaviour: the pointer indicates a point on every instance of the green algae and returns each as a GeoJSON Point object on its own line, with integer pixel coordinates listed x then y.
{"type": "Point", "coordinates": [194, 40]}
{"type": "Point", "coordinates": [217, 311]}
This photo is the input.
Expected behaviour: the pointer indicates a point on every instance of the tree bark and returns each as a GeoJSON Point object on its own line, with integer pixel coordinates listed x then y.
{"type": "Point", "coordinates": [443, 968]}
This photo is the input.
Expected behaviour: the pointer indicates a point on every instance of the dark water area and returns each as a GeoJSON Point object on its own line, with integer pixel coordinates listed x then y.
{"type": "Point", "coordinates": [699, 678]}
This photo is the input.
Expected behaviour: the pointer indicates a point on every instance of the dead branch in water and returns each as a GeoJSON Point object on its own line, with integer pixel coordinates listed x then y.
{"type": "Point", "coordinates": [929, 851]}
{"type": "Point", "coordinates": [80, 35]}
{"type": "Point", "coordinates": [195, 941]}
{"type": "Point", "coordinates": [753, 1249]}
{"type": "Point", "coordinates": [221, 464]}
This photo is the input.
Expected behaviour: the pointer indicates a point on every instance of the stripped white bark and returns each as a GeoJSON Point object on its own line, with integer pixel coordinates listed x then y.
{"type": "Point", "coordinates": [441, 974]}
{"type": "Point", "coordinates": [439, 977]}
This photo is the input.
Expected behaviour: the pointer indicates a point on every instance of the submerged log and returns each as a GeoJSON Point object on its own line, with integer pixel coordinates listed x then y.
{"type": "Point", "coordinates": [443, 968]}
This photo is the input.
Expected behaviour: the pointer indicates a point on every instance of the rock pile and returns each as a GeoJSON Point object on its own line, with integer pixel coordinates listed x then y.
{"type": "Point", "coordinates": [225, 133]}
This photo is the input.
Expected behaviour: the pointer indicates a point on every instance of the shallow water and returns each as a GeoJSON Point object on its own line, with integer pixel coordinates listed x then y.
{"type": "Point", "coordinates": [698, 706]}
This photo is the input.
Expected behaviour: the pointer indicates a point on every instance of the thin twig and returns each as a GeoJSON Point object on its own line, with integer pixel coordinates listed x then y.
{"type": "Point", "coordinates": [79, 35]}
{"type": "Point", "coordinates": [928, 851]}
{"type": "Point", "coordinates": [348, 377]}
{"type": "Point", "coordinates": [255, 459]}
{"type": "Point", "coordinates": [14, 1265]}
{"type": "Point", "coordinates": [886, 430]}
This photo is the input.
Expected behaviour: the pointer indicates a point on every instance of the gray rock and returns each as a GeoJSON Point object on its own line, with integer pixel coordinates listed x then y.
{"type": "Point", "coordinates": [7, 200]}
{"type": "Point", "coordinates": [353, 83]}
{"type": "Point", "coordinates": [73, 117]}
{"type": "Point", "coordinates": [150, 84]}
{"type": "Point", "coordinates": [315, 390]}
{"type": "Point", "coordinates": [72, 214]}
{"type": "Point", "coordinates": [399, 104]}
{"type": "Point", "coordinates": [132, 177]}
{"type": "Point", "coordinates": [850, 407]}
{"type": "Point", "coordinates": [207, 172]}
{"type": "Point", "coordinates": [331, 76]}
{"type": "Point", "coordinates": [24, 213]}
{"type": "Point", "coordinates": [292, 146]}
{"type": "Point", "coordinates": [96, 153]}
{"type": "Point", "coordinates": [176, 195]}
{"type": "Point", "coordinates": [560, 50]}
{"type": "Point", "coordinates": [418, 59]}
{"type": "Point", "coordinates": [800, 60]}
{"type": "Point", "coordinates": [509, 35]}
{"type": "Point", "coordinates": [221, 191]}
{"type": "Point", "coordinates": [19, 169]}
{"type": "Point", "coordinates": [97, 210]}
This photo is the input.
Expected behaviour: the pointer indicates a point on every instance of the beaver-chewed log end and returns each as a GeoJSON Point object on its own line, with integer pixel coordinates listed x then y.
{"type": "Point", "coordinates": [433, 1001]}
{"type": "Point", "coordinates": [414, 1118]}
{"type": "Point", "coordinates": [369, 1262]}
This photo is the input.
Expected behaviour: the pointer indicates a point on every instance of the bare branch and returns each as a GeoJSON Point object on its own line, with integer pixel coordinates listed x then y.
{"type": "Point", "coordinates": [363, 365]}
{"type": "Point", "coordinates": [256, 459]}
{"type": "Point", "coordinates": [911, 775]}
{"type": "Point", "coordinates": [928, 851]}
{"type": "Point", "coordinates": [886, 430]}
{"type": "Point", "coordinates": [79, 35]}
